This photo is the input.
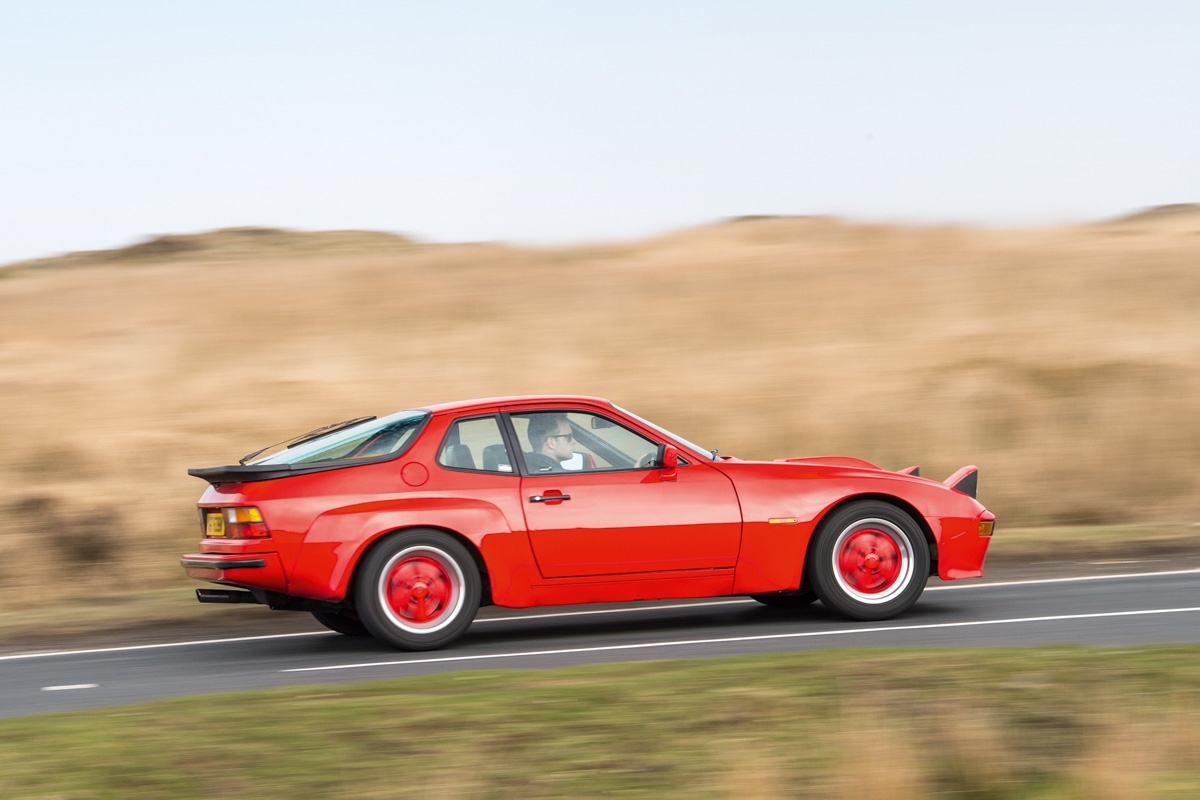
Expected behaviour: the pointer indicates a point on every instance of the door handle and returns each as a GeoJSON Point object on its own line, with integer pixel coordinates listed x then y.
{"type": "Point", "coordinates": [549, 498]}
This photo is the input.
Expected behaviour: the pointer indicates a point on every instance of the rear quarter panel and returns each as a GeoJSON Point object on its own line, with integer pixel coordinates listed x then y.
{"type": "Point", "coordinates": [322, 523]}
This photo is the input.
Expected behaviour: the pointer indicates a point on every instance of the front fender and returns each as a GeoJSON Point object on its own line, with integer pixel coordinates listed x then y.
{"type": "Point", "coordinates": [784, 503]}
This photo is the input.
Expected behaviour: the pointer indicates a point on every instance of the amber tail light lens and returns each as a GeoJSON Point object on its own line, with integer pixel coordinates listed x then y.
{"type": "Point", "coordinates": [236, 522]}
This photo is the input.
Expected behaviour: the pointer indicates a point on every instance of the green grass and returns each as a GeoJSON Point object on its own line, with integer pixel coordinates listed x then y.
{"type": "Point", "coordinates": [1011, 723]}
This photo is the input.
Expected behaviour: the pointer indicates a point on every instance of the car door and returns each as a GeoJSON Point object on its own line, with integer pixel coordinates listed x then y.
{"type": "Point", "coordinates": [604, 513]}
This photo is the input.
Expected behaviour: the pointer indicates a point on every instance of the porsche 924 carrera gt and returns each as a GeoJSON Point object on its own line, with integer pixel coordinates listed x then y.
{"type": "Point", "coordinates": [400, 527]}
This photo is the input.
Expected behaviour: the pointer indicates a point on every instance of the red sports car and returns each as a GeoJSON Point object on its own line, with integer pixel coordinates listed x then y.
{"type": "Point", "coordinates": [401, 527]}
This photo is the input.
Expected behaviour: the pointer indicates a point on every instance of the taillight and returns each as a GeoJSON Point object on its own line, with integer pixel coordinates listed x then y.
{"type": "Point", "coordinates": [236, 522]}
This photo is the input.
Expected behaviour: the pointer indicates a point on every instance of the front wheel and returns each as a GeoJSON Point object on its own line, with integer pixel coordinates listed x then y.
{"type": "Point", "coordinates": [870, 561]}
{"type": "Point", "coordinates": [418, 590]}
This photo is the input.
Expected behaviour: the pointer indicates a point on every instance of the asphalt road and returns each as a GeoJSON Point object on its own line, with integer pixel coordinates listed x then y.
{"type": "Point", "coordinates": [1109, 610]}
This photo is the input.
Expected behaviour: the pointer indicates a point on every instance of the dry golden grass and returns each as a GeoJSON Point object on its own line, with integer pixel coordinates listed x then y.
{"type": "Point", "coordinates": [1064, 362]}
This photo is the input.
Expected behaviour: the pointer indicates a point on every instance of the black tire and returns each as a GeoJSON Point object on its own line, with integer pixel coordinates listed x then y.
{"type": "Point", "coordinates": [417, 590]}
{"type": "Point", "coordinates": [797, 599]}
{"type": "Point", "coordinates": [870, 561]}
{"type": "Point", "coordinates": [342, 622]}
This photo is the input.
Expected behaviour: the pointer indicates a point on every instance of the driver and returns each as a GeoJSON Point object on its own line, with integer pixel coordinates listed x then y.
{"type": "Point", "coordinates": [550, 437]}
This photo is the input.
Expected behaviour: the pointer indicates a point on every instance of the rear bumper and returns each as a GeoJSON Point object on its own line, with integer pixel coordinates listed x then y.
{"type": "Point", "coordinates": [256, 570]}
{"type": "Point", "coordinates": [206, 561]}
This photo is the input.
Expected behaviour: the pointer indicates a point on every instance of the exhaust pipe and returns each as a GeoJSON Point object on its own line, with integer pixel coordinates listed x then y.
{"type": "Point", "coordinates": [224, 596]}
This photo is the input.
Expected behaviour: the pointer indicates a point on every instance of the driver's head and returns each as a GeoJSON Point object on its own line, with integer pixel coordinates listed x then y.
{"type": "Point", "coordinates": [550, 435]}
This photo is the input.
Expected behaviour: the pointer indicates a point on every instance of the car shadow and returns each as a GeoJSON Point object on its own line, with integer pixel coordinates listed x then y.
{"type": "Point", "coordinates": [618, 626]}
{"type": "Point", "coordinates": [682, 621]}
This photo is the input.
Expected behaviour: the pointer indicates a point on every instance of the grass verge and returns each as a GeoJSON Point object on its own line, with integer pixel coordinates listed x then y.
{"type": "Point", "coordinates": [1084, 543]}
{"type": "Point", "coordinates": [1004, 723]}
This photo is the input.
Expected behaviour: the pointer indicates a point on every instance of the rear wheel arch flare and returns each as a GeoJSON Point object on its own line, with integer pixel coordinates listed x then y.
{"type": "Point", "coordinates": [476, 556]}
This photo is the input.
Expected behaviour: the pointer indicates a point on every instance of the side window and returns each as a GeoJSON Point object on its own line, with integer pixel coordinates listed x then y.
{"type": "Point", "coordinates": [567, 441]}
{"type": "Point", "coordinates": [475, 444]}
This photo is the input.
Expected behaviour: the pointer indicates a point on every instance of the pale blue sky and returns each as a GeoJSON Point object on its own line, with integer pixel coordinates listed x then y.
{"type": "Point", "coordinates": [548, 122]}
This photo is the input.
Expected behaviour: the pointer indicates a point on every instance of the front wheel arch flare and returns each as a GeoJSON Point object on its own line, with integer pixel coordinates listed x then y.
{"type": "Point", "coordinates": [903, 505]}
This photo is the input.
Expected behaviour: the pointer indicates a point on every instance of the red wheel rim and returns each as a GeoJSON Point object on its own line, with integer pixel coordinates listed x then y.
{"type": "Point", "coordinates": [870, 561]}
{"type": "Point", "coordinates": [421, 588]}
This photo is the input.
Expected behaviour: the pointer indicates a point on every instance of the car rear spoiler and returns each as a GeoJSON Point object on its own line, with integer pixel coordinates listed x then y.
{"type": "Point", "coordinates": [966, 480]}
{"type": "Point", "coordinates": [249, 473]}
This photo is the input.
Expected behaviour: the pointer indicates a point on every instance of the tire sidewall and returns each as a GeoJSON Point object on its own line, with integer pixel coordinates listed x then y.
{"type": "Point", "coordinates": [825, 572]}
{"type": "Point", "coordinates": [379, 618]}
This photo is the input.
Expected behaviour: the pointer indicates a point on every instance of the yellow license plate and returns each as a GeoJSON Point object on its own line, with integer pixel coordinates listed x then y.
{"type": "Point", "coordinates": [214, 524]}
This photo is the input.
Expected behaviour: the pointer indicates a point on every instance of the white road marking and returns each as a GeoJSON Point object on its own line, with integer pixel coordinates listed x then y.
{"type": "Point", "coordinates": [161, 645]}
{"type": "Point", "coordinates": [747, 600]}
{"type": "Point", "coordinates": [69, 687]}
{"type": "Point", "coordinates": [732, 639]}
{"type": "Point", "coordinates": [585, 612]}
{"type": "Point", "coordinates": [1075, 579]}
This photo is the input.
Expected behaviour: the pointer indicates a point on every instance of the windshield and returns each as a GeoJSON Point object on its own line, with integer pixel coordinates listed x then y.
{"type": "Point", "coordinates": [699, 450]}
{"type": "Point", "coordinates": [372, 439]}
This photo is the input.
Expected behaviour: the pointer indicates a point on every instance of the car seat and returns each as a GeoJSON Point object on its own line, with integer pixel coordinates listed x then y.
{"type": "Point", "coordinates": [458, 456]}
{"type": "Point", "coordinates": [495, 459]}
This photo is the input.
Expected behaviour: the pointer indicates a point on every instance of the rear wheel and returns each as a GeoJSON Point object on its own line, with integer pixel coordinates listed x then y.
{"type": "Point", "coordinates": [342, 622]}
{"type": "Point", "coordinates": [797, 599]}
{"type": "Point", "coordinates": [870, 561]}
{"type": "Point", "coordinates": [418, 590]}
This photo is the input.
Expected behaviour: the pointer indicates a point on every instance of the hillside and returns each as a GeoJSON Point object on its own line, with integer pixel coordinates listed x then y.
{"type": "Point", "coordinates": [1064, 362]}
{"type": "Point", "coordinates": [229, 244]}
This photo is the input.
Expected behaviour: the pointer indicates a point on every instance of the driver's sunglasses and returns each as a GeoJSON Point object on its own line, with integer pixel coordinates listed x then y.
{"type": "Point", "coordinates": [570, 436]}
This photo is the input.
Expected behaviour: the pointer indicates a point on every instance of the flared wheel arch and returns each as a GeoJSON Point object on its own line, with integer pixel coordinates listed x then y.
{"type": "Point", "coordinates": [476, 556]}
{"type": "Point", "coordinates": [902, 505]}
